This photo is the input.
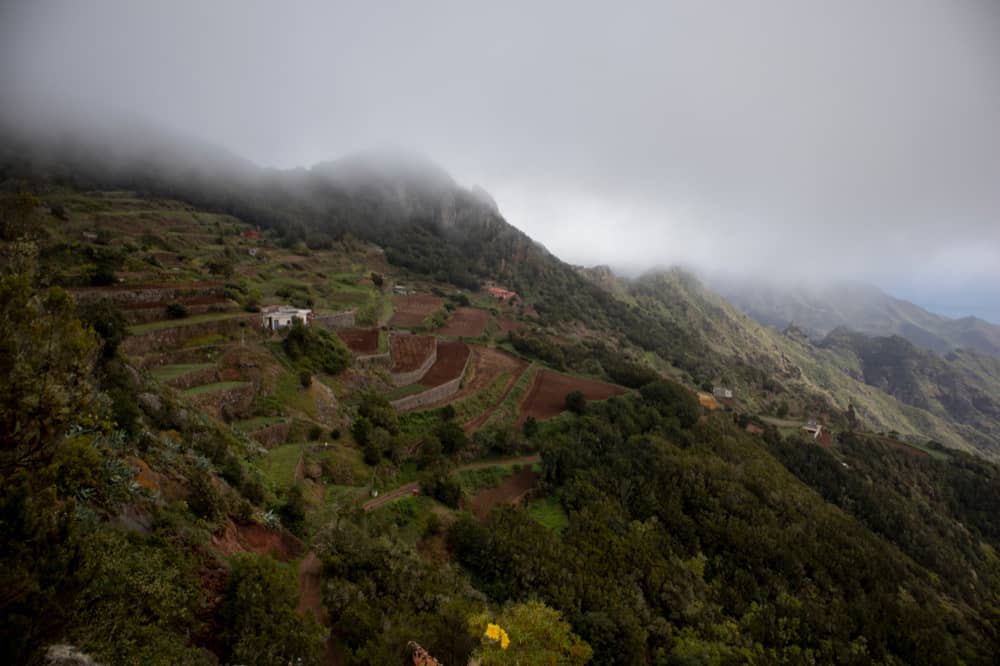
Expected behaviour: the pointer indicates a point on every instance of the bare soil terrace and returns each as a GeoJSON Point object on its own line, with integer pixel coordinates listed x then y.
{"type": "Point", "coordinates": [360, 340]}
{"type": "Point", "coordinates": [412, 310]}
{"type": "Point", "coordinates": [466, 322]}
{"type": "Point", "coordinates": [547, 397]}
{"type": "Point", "coordinates": [410, 351]}
{"type": "Point", "coordinates": [451, 358]}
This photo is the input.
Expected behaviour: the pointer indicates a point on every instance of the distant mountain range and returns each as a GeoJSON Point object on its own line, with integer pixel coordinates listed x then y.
{"type": "Point", "coordinates": [818, 310]}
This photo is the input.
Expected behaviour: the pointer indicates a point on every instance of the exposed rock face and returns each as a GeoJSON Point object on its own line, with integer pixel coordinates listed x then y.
{"type": "Point", "coordinates": [67, 655]}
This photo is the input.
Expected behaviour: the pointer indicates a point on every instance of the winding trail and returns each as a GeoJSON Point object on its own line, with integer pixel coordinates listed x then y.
{"type": "Point", "coordinates": [409, 488]}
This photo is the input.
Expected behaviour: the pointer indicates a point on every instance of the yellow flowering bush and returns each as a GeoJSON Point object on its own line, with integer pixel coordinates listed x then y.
{"type": "Point", "coordinates": [495, 633]}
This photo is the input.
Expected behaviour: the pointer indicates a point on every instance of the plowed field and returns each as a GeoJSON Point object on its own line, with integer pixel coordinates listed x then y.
{"type": "Point", "coordinates": [547, 396]}
{"type": "Point", "coordinates": [451, 357]}
{"type": "Point", "coordinates": [360, 340]}
{"type": "Point", "coordinates": [410, 351]}
{"type": "Point", "coordinates": [411, 310]}
{"type": "Point", "coordinates": [467, 322]}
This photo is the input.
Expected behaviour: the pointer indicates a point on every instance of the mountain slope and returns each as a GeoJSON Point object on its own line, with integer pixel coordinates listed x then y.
{"type": "Point", "coordinates": [861, 307]}
{"type": "Point", "coordinates": [433, 227]}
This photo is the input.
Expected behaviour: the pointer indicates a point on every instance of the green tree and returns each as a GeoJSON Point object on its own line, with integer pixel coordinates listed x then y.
{"type": "Point", "coordinates": [576, 402]}
{"type": "Point", "coordinates": [261, 625]}
{"type": "Point", "coordinates": [527, 634]}
{"type": "Point", "coordinates": [46, 359]}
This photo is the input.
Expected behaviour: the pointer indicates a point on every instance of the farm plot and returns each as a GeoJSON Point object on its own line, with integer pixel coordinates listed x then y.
{"type": "Point", "coordinates": [451, 358]}
{"type": "Point", "coordinates": [409, 352]}
{"type": "Point", "coordinates": [547, 396]}
{"type": "Point", "coordinates": [360, 340]}
{"type": "Point", "coordinates": [412, 310]}
{"type": "Point", "coordinates": [486, 365]}
{"type": "Point", "coordinates": [511, 491]}
{"type": "Point", "coordinates": [466, 322]}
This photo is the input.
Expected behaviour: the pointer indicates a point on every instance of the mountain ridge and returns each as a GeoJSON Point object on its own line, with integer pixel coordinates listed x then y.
{"type": "Point", "coordinates": [862, 307]}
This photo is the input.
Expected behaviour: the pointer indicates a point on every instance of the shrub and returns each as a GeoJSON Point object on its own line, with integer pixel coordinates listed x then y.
{"type": "Point", "coordinates": [177, 311]}
{"type": "Point", "coordinates": [576, 402]}
{"type": "Point", "coordinates": [293, 509]}
{"type": "Point", "coordinates": [321, 349]}
{"type": "Point", "coordinates": [261, 625]}
{"type": "Point", "coordinates": [305, 378]}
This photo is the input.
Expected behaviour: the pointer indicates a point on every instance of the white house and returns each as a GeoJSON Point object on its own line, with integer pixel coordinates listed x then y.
{"type": "Point", "coordinates": [722, 392]}
{"type": "Point", "coordinates": [274, 317]}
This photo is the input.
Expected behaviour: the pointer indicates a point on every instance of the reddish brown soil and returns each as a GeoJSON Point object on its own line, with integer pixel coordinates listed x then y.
{"type": "Point", "coordinates": [360, 340]}
{"type": "Point", "coordinates": [310, 598]}
{"type": "Point", "coordinates": [547, 396]}
{"type": "Point", "coordinates": [466, 322]}
{"type": "Point", "coordinates": [451, 357]}
{"type": "Point", "coordinates": [411, 310]}
{"type": "Point", "coordinates": [510, 491]}
{"type": "Point", "coordinates": [257, 539]}
{"type": "Point", "coordinates": [507, 325]}
{"type": "Point", "coordinates": [486, 365]}
{"type": "Point", "coordinates": [410, 351]}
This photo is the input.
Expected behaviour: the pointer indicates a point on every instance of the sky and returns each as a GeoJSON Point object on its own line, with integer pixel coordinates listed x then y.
{"type": "Point", "coordinates": [788, 139]}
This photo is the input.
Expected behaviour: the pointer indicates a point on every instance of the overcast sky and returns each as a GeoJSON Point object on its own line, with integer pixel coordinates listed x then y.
{"type": "Point", "coordinates": [796, 139]}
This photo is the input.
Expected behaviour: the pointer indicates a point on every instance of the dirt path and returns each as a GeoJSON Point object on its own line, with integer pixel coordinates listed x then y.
{"type": "Point", "coordinates": [408, 489]}
{"type": "Point", "coordinates": [311, 602]}
{"type": "Point", "coordinates": [310, 598]}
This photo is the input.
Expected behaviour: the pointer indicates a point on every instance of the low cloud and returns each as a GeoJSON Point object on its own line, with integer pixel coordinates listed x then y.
{"type": "Point", "coordinates": [789, 138]}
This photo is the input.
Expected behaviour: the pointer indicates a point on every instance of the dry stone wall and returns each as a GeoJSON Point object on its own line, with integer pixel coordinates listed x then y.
{"type": "Point", "coordinates": [404, 378]}
{"type": "Point", "coordinates": [175, 336]}
{"type": "Point", "coordinates": [430, 396]}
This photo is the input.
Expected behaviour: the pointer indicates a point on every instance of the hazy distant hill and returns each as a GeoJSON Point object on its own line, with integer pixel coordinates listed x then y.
{"type": "Point", "coordinates": [861, 307]}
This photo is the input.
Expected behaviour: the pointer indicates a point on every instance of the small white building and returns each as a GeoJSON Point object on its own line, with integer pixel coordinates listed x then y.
{"type": "Point", "coordinates": [275, 317]}
{"type": "Point", "coordinates": [722, 392]}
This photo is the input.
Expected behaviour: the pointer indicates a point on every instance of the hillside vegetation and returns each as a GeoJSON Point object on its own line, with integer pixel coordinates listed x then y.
{"type": "Point", "coordinates": [180, 485]}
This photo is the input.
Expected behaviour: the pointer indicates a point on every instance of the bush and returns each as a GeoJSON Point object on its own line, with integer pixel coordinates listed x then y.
{"type": "Point", "coordinates": [305, 378]}
{"type": "Point", "coordinates": [576, 402]}
{"type": "Point", "coordinates": [439, 485]}
{"type": "Point", "coordinates": [321, 349]}
{"type": "Point", "coordinates": [177, 311]}
{"type": "Point", "coordinates": [315, 432]}
{"type": "Point", "coordinates": [108, 322]}
{"type": "Point", "coordinates": [203, 499]}
{"type": "Point", "coordinates": [293, 509]}
{"type": "Point", "coordinates": [261, 625]}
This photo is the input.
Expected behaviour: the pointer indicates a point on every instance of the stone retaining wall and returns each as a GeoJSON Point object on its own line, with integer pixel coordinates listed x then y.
{"type": "Point", "coordinates": [194, 378]}
{"type": "Point", "coordinates": [158, 311]}
{"type": "Point", "coordinates": [234, 400]}
{"type": "Point", "coordinates": [384, 360]}
{"type": "Point", "coordinates": [335, 320]}
{"type": "Point", "coordinates": [174, 337]}
{"type": "Point", "coordinates": [273, 435]}
{"type": "Point", "coordinates": [413, 376]}
{"type": "Point", "coordinates": [149, 294]}
{"type": "Point", "coordinates": [433, 395]}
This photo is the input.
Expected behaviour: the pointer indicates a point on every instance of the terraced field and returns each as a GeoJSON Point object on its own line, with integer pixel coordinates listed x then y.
{"type": "Point", "coordinates": [547, 397]}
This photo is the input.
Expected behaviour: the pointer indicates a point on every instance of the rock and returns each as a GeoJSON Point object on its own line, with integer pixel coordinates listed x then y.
{"type": "Point", "coordinates": [150, 403]}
